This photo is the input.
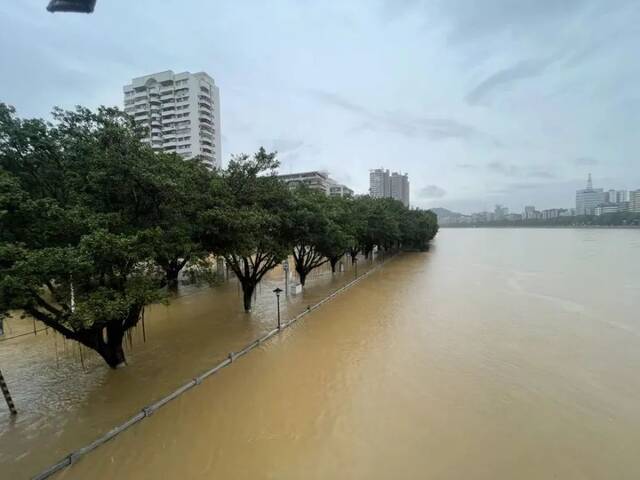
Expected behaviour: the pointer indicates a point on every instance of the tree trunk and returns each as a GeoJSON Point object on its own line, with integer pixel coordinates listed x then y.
{"type": "Point", "coordinates": [112, 352]}
{"type": "Point", "coordinates": [172, 272]}
{"type": "Point", "coordinates": [354, 255]}
{"type": "Point", "coordinates": [303, 277]}
{"type": "Point", "coordinates": [111, 349]}
{"type": "Point", "coordinates": [1, 326]}
{"type": "Point", "coordinates": [93, 337]}
{"type": "Point", "coordinates": [247, 294]}
{"type": "Point", "coordinates": [333, 261]}
{"type": "Point", "coordinates": [172, 280]}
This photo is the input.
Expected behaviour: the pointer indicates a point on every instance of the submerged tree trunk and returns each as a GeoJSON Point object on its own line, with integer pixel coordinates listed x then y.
{"type": "Point", "coordinates": [247, 295]}
{"type": "Point", "coordinates": [367, 251]}
{"type": "Point", "coordinates": [172, 279]}
{"type": "Point", "coordinates": [333, 261]}
{"type": "Point", "coordinates": [111, 349]}
{"type": "Point", "coordinates": [172, 270]}
{"type": "Point", "coordinates": [306, 258]}
{"type": "Point", "coordinates": [106, 340]}
{"type": "Point", "coordinates": [353, 252]}
{"type": "Point", "coordinates": [250, 270]}
{"type": "Point", "coordinates": [303, 276]}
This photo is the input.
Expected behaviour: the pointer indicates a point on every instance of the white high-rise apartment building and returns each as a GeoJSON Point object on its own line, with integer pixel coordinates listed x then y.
{"type": "Point", "coordinates": [181, 112]}
{"type": "Point", "coordinates": [383, 185]}
{"type": "Point", "coordinates": [379, 183]}
{"type": "Point", "coordinates": [400, 187]}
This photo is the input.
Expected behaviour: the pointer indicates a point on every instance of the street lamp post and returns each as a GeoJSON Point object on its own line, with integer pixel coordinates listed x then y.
{"type": "Point", "coordinates": [277, 291]}
{"type": "Point", "coordinates": [285, 267]}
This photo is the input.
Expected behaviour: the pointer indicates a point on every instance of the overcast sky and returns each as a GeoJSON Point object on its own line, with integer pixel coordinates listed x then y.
{"type": "Point", "coordinates": [481, 102]}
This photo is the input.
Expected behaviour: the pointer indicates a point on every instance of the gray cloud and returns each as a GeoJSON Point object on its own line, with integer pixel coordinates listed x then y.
{"type": "Point", "coordinates": [431, 191]}
{"type": "Point", "coordinates": [585, 161]}
{"type": "Point", "coordinates": [524, 186]}
{"type": "Point", "coordinates": [285, 145]}
{"type": "Point", "coordinates": [511, 188]}
{"type": "Point", "coordinates": [338, 101]}
{"type": "Point", "coordinates": [470, 18]}
{"type": "Point", "coordinates": [505, 77]}
{"type": "Point", "coordinates": [511, 170]}
{"type": "Point", "coordinates": [540, 174]}
{"type": "Point", "coordinates": [503, 169]}
{"type": "Point", "coordinates": [404, 124]}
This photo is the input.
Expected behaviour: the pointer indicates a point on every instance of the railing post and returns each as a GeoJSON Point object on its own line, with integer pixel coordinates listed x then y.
{"type": "Point", "coordinates": [7, 395]}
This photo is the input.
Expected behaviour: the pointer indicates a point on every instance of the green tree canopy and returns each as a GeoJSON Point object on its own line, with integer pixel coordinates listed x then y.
{"type": "Point", "coordinates": [252, 229]}
{"type": "Point", "coordinates": [76, 243]}
{"type": "Point", "coordinates": [310, 228]}
{"type": "Point", "coordinates": [339, 235]}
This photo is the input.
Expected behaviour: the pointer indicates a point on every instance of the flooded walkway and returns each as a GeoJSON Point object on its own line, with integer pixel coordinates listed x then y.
{"type": "Point", "coordinates": [63, 406]}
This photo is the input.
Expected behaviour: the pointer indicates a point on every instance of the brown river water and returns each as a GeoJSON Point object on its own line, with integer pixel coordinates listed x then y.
{"type": "Point", "coordinates": [498, 354]}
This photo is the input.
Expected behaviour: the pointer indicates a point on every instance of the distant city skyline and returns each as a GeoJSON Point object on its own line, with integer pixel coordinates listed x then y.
{"type": "Point", "coordinates": [482, 103]}
{"type": "Point", "coordinates": [570, 197]}
{"type": "Point", "coordinates": [589, 201]}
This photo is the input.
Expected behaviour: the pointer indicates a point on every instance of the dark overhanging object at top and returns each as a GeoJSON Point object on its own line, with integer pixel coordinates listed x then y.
{"type": "Point", "coordinates": [80, 6]}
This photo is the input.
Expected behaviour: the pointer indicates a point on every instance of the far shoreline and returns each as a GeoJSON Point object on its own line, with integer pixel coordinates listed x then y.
{"type": "Point", "coordinates": [599, 227]}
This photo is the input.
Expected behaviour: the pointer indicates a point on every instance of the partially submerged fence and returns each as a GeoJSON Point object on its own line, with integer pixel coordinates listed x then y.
{"type": "Point", "coordinates": [150, 409]}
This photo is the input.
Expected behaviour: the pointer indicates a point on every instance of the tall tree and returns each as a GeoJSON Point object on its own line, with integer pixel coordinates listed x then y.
{"type": "Point", "coordinates": [70, 254]}
{"type": "Point", "coordinates": [379, 223]}
{"type": "Point", "coordinates": [310, 227]}
{"type": "Point", "coordinates": [338, 238]}
{"type": "Point", "coordinates": [418, 228]}
{"type": "Point", "coordinates": [356, 212]}
{"type": "Point", "coordinates": [252, 230]}
{"type": "Point", "coordinates": [182, 190]}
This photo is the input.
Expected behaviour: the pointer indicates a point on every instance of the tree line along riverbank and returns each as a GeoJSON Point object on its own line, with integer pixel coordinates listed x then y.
{"type": "Point", "coordinates": [94, 224]}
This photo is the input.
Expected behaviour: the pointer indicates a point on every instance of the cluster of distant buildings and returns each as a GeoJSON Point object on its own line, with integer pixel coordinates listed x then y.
{"type": "Point", "coordinates": [382, 184]}
{"type": "Point", "coordinates": [181, 114]}
{"type": "Point", "coordinates": [597, 201]}
{"type": "Point", "coordinates": [589, 201]}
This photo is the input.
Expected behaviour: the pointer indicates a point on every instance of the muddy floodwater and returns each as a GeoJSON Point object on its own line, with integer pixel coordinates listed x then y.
{"type": "Point", "coordinates": [498, 354]}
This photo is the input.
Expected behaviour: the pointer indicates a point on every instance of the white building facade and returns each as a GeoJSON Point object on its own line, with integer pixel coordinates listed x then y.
{"type": "Point", "coordinates": [634, 201]}
{"type": "Point", "coordinates": [379, 183]}
{"type": "Point", "coordinates": [339, 190]}
{"type": "Point", "coordinates": [181, 112]}
{"type": "Point", "coordinates": [317, 180]}
{"type": "Point", "coordinates": [400, 187]}
{"type": "Point", "coordinates": [385, 185]}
